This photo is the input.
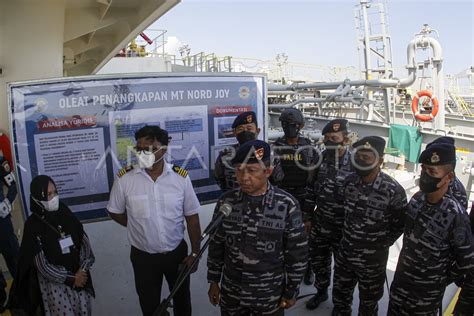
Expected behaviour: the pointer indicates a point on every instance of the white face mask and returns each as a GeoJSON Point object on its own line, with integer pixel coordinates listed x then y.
{"type": "Point", "coordinates": [146, 159]}
{"type": "Point", "coordinates": [51, 205]}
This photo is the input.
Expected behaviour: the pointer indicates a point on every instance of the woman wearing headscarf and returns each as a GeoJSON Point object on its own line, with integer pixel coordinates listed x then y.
{"type": "Point", "coordinates": [55, 257]}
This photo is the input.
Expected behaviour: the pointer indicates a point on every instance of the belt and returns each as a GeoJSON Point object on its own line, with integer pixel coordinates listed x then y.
{"type": "Point", "coordinates": [157, 253]}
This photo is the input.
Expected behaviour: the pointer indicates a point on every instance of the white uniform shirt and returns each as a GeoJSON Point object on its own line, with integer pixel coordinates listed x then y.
{"type": "Point", "coordinates": [155, 210]}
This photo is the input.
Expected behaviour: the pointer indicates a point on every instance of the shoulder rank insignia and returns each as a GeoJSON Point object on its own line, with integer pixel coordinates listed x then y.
{"type": "Point", "coordinates": [182, 172]}
{"type": "Point", "coordinates": [124, 171]}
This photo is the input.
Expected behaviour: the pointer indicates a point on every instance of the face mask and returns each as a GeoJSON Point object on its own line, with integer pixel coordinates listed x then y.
{"type": "Point", "coordinates": [245, 136]}
{"type": "Point", "coordinates": [291, 130]}
{"type": "Point", "coordinates": [146, 159]}
{"type": "Point", "coordinates": [51, 205]}
{"type": "Point", "coordinates": [428, 184]}
{"type": "Point", "coordinates": [332, 148]}
{"type": "Point", "coordinates": [362, 168]}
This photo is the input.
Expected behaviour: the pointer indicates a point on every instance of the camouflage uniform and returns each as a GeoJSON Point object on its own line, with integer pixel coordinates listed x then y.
{"type": "Point", "coordinates": [224, 172]}
{"type": "Point", "coordinates": [259, 253]}
{"type": "Point", "coordinates": [465, 303]}
{"type": "Point", "coordinates": [295, 163]}
{"type": "Point", "coordinates": [435, 236]}
{"type": "Point", "coordinates": [328, 219]}
{"type": "Point", "coordinates": [457, 190]}
{"type": "Point", "coordinates": [374, 219]}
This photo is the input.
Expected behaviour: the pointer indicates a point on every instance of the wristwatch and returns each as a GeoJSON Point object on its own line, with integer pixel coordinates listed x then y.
{"type": "Point", "coordinates": [194, 255]}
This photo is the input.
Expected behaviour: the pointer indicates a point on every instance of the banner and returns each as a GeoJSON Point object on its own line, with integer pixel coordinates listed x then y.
{"type": "Point", "coordinates": [80, 131]}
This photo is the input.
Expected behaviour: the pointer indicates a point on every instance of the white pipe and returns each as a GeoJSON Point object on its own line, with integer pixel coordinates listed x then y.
{"type": "Point", "coordinates": [309, 100]}
{"type": "Point", "coordinates": [368, 65]}
{"type": "Point", "coordinates": [438, 76]}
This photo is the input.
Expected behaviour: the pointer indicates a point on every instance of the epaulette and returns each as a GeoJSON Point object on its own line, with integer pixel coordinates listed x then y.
{"type": "Point", "coordinates": [182, 172]}
{"type": "Point", "coordinates": [124, 171]}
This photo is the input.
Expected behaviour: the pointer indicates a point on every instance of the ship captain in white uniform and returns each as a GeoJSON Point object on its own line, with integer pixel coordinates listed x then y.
{"type": "Point", "coordinates": [154, 201]}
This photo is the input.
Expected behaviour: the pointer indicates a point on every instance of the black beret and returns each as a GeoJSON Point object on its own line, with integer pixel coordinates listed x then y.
{"type": "Point", "coordinates": [438, 154]}
{"type": "Point", "coordinates": [442, 140]}
{"type": "Point", "coordinates": [252, 151]}
{"type": "Point", "coordinates": [245, 118]}
{"type": "Point", "coordinates": [337, 125]}
{"type": "Point", "coordinates": [376, 143]}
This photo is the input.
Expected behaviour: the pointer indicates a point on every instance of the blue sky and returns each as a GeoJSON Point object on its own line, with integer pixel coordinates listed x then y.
{"type": "Point", "coordinates": [315, 32]}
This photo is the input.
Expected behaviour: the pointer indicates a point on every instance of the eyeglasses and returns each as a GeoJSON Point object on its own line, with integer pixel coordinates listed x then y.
{"type": "Point", "coordinates": [146, 150]}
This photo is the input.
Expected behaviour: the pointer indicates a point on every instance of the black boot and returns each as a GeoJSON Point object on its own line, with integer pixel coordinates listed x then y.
{"type": "Point", "coordinates": [321, 296]}
{"type": "Point", "coordinates": [308, 276]}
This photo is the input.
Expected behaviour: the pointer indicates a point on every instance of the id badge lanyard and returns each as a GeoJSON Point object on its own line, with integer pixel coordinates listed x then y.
{"type": "Point", "coordinates": [65, 241]}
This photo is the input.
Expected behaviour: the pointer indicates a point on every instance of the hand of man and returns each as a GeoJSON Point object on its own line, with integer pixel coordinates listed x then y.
{"type": "Point", "coordinates": [5, 208]}
{"type": "Point", "coordinates": [443, 182]}
{"type": "Point", "coordinates": [80, 279]}
{"type": "Point", "coordinates": [286, 303]}
{"type": "Point", "coordinates": [214, 294]}
{"type": "Point", "coordinates": [188, 261]}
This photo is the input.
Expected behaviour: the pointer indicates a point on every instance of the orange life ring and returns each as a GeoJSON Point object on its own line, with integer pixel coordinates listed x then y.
{"type": "Point", "coordinates": [416, 111]}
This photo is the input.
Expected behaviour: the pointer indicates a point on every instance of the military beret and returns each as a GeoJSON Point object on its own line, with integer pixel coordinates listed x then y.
{"type": "Point", "coordinates": [337, 125]}
{"type": "Point", "coordinates": [442, 140]}
{"type": "Point", "coordinates": [438, 154]}
{"type": "Point", "coordinates": [376, 143]}
{"type": "Point", "coordinates": [245, 118]}
{"type": "Point", "coordinates": [252, 152]}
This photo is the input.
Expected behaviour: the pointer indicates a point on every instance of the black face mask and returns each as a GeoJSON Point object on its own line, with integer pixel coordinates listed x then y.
{"type": "Point", "coordinates": [428, 184]}
{"type": "Point", "coordinates": [291, 130]}
{"type": "Point", "coordinates": [332, 149]}
{"type": "Point", "coordinates": [361, 167]}
{"type": "Point", "coordinates": [245, 136]}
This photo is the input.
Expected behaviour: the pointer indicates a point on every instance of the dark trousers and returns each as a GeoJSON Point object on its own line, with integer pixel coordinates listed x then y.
{"type": "Point", "coordinates": [9, 248]}
{"type": "Point", "coordinates": [323, 243]}
{"type": "Point", "coordinates": [149, 270]}
{"type": "Point", "coordinates": [369, 275]}
{"type": "Point", "coordinates": [465, 303]}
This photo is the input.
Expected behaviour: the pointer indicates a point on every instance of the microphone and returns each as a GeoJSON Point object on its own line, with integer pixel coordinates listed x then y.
{"type": "Point", "coordinates": [224, 211]}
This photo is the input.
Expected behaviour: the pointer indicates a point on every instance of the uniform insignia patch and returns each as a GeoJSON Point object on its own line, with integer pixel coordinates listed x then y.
{"type": "Point", "coordinates": [336, 127]}
{"type": "Point", "coordinates": [249, 118]}
{"type": "Point", "coordinates": [367, 145]}
{"type": "Point", "coordinates": [182, 172]}
{"type": "Point", "coordinates": [259, 153]}
{"type": "Point", "coordinates": [124, 170]}
{"type": "Point", "coordinates": [434, 158]}
{"type": "Point", "coordinates": [460, 236]}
